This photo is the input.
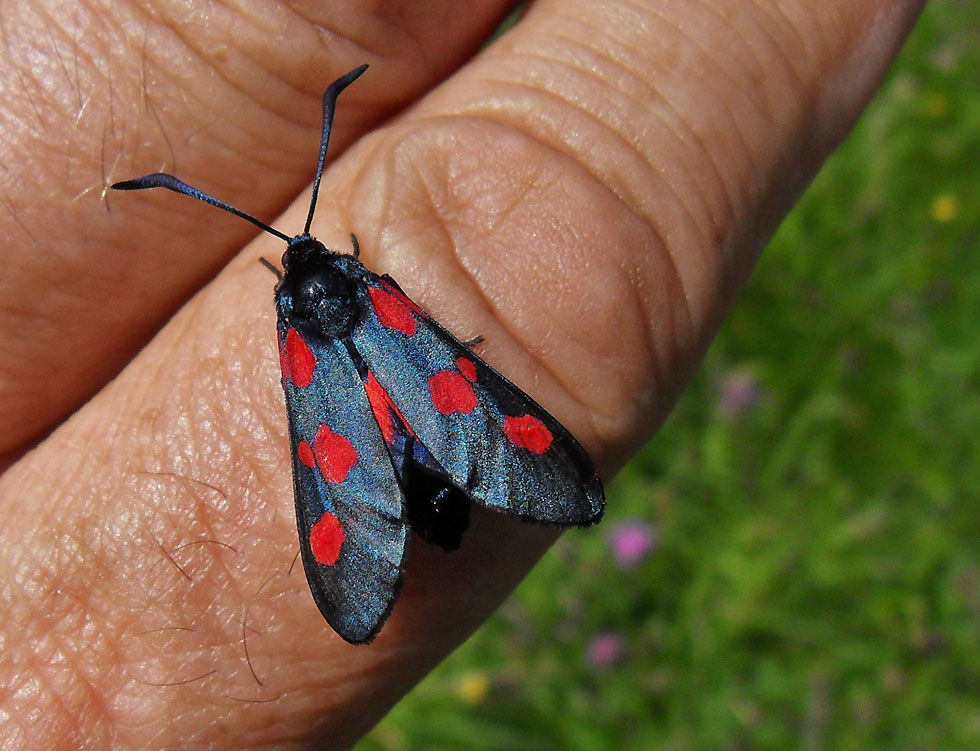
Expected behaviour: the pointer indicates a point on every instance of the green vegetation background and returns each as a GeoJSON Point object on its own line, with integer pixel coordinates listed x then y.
{"type": "Point", "coordinates": [817, 579]}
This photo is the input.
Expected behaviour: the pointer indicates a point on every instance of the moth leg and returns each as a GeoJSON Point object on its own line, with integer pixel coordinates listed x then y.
{"type": "Point", "coordinates": [268, 264]}
{"type": "Point", "coordinates": [471, 343]}
{"type": "Point", "coordinates": [357, 245]}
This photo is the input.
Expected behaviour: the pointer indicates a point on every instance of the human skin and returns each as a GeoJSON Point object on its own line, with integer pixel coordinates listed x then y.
{"type": "Point", "coordinates": [588, 193]}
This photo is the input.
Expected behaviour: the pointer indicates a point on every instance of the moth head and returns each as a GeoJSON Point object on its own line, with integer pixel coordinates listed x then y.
{"type": "Point", "coordinates": [315, 295]}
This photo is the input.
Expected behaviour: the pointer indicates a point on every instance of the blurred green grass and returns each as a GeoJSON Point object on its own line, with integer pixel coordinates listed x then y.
{"type": "Point", "coordinates": [817, 579]}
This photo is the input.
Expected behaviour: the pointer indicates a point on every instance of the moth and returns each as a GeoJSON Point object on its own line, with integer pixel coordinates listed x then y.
{"type": "Point", "coordinates": [394, 423]}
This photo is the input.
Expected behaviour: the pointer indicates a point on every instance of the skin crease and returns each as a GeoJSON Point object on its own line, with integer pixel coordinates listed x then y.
{"type": "Point", "coordinates": [588, 193]}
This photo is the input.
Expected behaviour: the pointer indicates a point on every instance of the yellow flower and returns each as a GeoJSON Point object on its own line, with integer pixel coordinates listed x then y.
{"type": "Point", "coordinates": [944, 208]}
{"type": "Point", "coordinates": [473, 687]}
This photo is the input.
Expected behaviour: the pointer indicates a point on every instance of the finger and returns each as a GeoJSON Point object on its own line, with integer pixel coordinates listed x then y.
{"type": "Point", "coordinates": [225, 97]}
{"type": "Point", "coordinates": [648, 240]}
{"type": "Point", "coordinates": [673, 178]}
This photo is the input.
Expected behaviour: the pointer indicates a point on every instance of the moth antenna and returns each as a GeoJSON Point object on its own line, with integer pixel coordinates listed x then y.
{"type": "Point", "coordinates": [329, 104]}
{"type": "Point", "coordinates": [162, 180]}
{"type": "Point", "coordinates": [355, 244]}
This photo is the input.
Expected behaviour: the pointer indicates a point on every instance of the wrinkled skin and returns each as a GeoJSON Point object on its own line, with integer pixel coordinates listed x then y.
{"type": "Point", "coordinates": [588, 193]}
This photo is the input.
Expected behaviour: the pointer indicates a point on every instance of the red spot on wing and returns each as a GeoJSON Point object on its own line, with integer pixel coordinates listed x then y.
{"type": "Point", "coordinates": [385, 411]}
{"type": "Point", "coordinates": [305, 454]}
{"type": "Point", "coordinates": [378, 398]}
{"type": "Point", "coordinates": [451, 393]}
{"type": "Point", "coordinates": [467, 368]}
{"type": "Point", "coordinates": [282, 359]}
{"type": "Point", "coordinates": [393, 310]}
{"type": "Point", "coordinates": [403, 297]}
{"type": "Point", "coordinates": [528, 432]}
{"type": "Point", "coordinates": [326, 537]}
{"type": "Point", "coordinates": [297, 360]}
{"type": "Point", "coordinates": [334, 454]}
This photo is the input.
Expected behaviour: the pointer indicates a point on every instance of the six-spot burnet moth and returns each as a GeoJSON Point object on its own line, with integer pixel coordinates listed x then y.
{"type": "Point", "coordinates": [395, 424]}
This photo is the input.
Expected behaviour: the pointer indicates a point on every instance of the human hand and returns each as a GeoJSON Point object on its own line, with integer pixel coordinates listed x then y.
{"type": "Point", "coordinates": [587, 193]}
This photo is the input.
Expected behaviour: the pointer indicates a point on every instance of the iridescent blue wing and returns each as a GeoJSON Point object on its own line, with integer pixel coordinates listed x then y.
{"type": "Point", "coordinates": [498, 446]}
{"type": "Point", "coordinates": [349, 505]}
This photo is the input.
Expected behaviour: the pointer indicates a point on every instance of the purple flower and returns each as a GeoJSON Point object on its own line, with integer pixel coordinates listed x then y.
{"type": "Point", "coordinates": [631, 542]}
{"type": "Point", "coordinates": [605, 649]}
{"type": "Point", "coordinates": [740, 391]}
